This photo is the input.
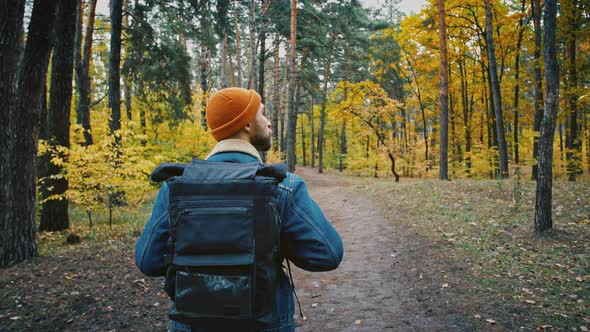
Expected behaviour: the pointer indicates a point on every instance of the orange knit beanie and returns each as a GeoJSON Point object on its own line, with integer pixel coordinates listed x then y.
{"type": "Point", "coordinates": [230, 110]}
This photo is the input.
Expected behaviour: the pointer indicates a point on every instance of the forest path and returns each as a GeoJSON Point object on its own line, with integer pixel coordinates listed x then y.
{"type": "Point", "coordinates": [387, 279]}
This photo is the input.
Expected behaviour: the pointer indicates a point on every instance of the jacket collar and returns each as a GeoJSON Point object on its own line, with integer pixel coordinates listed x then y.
{"type": "Point", "coordinates": [235, 145]}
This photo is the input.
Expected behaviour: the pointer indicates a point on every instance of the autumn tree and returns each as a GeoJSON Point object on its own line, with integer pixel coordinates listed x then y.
{"type": "Point", "coordinates": [54, 212]}
{"type": "Point", "coordinates": [543, 198]}
{"type": "Point", "coordinates": [444, 92]}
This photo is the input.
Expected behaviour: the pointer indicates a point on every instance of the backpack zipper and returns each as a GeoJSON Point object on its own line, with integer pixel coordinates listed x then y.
{"type": "Point", "coordinates": [230, 210]}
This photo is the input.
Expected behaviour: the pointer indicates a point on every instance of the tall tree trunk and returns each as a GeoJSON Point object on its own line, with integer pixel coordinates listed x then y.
{"type": "Point", "coordinates": [543, 199]}
{"type": "Point", "coordinates": [573, 142]}
{"type": "Point", "coordinates": [82, 74]}
{"type": "Point", "coordinates": [15, 245]}
{"type": "Point", "coordinates": [224, 60]}
{"type": "Point", "coordinates": [127, 82]}
{"type": "Point", "coordinates": [238, 51]}
{"type": "Point", "coordinates": [31, 88]}
{"type": "Point", "coordinates": [343, 148]}
{"type": "Point", "coordinates": [276, 94]}
{"type": "Point", "coordinates": [497, 96]}
{"type": "Point", "coordinates": [54, 213]}
{"type": "Point", "coordinates": [312, 134]}
{"type": "Point", "coordinates": [302, 126]}
{"type": "Point", "coordinates": [285, 105]}
{"type": "Point", "coordinates": [517, 83]}
{"type": "Point", "coordinates": [252, 54]}
{"type": "Point", "coordinates": [323, 110]}
{"type": "Point", "coordinates": [292, 114]}
{"type": "Point", "coordinates": [115, 69]}
{"type": "Point", "coordinates": [444, 93]}
{"type": "Point", "coordinates": [204, 59]}
{"type": "Point", "coordinates": [538, 99]}
{"type": "Point", "coordinates": [262, 58]}
{"type": "Point", "coordinates": [466, 114]}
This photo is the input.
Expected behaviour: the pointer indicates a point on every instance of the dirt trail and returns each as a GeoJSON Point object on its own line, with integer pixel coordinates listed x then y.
{"type": "Point", "coordinates": [390, 279]}
{"type": "Point", "coordinates": [386, 280]}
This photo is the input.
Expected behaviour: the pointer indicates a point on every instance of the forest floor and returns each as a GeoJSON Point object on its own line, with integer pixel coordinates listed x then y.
{"type": "Point", "coordinates": [419, 255]}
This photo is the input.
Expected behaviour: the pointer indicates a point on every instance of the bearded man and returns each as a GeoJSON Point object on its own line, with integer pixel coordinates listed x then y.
{"type": "Point", "coordinates": [236, 120]}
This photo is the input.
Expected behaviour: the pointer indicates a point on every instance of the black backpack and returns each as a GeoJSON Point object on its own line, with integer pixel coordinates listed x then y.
{"type": "Point", "coordinates": [224, 243]}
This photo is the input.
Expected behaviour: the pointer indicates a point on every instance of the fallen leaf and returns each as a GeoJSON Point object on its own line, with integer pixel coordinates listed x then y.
{"type": "Point", "coordinates": [491, 321]}
{"type": "Point", "coordinates": [544, 327]}
{"type": "Point", "coordinates": [445, 285]}
{"type": "Point", "coordinates": [15, 318]}
{"type": "Point", "coordinates": [313, 305]}
{"type": "Point", "coordinates": [530, 301]}
{"type": "Point", "coordinates": [358, 322]}
{"type": "Point", "coordinates": [477, 316]}
{"type": "Point", "coordinates": [313, 296]}
{"type": "Point", "coordinates": [156, 304]}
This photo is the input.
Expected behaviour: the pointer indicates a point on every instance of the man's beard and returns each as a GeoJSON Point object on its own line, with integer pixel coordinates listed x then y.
{"type": "Point", "coordinates": [261, 143]}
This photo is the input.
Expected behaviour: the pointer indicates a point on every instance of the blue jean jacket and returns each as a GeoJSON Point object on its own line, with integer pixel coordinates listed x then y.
{"type": "Point", "coordinates": [307, 239]}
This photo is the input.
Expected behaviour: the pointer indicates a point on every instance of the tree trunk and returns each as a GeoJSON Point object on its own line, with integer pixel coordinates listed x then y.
{"type": "Point", "coordinates": [31, 88]}
{"type": "Point", "coordinates": [497, 96]}
{"type": "Point", "coordinates": [82, 74]}
{"type": "Point", "coordinates": [343, 149]}
{"type": "Point", "coordinates": [127, 82]}
{"type": "Point", "coordinates": [517, 84]}
{"type": "Point", "coordinates": [284, 106]}
{"type": "Point", "coordinates": [238, 51]}
{"type": "Point", "coordinates": [54, 213]}
{"type": "Point", "coordinates": [204, 20]}
{"type": "Point", "coordinates": [543, 199]}
{"type": "Point", "coordinates": [115, 69]}
{"type": "Point", "coordinates": [302, 126]}
{"type": "Point", "coordinates": [276, 94]}
{"type": "Point", "coordinates": [538, 99]}
{"type": "Point", "coordinates": [252, 54]}
{"type": "Point", "coordinates": [312, 128]}
{"type": "Point", "coordinates": [573, 142]}
{"type": "Point", "coordinates": [323, 111]}
{"type": "Point", "coordinates": [292, 114]}
{"type": "Point", "coordinates": [444, 94]}
{"type": "Point", "coordinates": [15, 239]}
{"type": "Point", "coordinates": [262, 59]}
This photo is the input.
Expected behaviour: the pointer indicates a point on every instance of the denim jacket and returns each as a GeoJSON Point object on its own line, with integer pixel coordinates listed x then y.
{"type": "Point", "coordinates": [307, 239]}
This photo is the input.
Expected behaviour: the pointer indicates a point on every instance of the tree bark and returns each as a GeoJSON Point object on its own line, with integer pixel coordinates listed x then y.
{"type": "Point", "coordinates": [262, 58]}
{"type": "Point", "coordinates": [497, 96]}
{"type": "Point", "coordinates": [82, 73]}
{"type": "Point", "coordinates": [302, 127]}
{"type": "Point", "coordinates": [115, 69]}
{"type": "Point", "coordinates": [31, 88]}
{"type": "Point", "coordinates": [323, 110]}
{"type": "Point", "coordinates": [538, 99]}
{"type": "Point", "coordinates": [543, 198]}
{"type": "Point", "coordinates": [203, 60]}
{"type": "Point", "coordinates": [14, 248]}
{"type": "Point", "coordinates": [444, 93]}
{"type": "Point", "coordinates": [517, 83]}
{"type": "Point", "coordinates": [238, 51]}
{"type": "Point", "coordinates": [252, 54]}
{"type": "Point", "coordinates": [276, 94]}
{"type": "Point", "coordinates": [312, 134]}
{"type": "Point", "coordinates": [127, 81]}
{"type": "Point", "coordinates": [573, 142]}
{"type": "Point", "coordinates": [292, 114]}
{"type": "Point", "coordinates": [54, 213]}
{"type": "Point", "coordinates": [343, 149]}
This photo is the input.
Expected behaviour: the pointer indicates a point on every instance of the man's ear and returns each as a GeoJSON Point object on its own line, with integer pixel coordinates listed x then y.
{"type": "Point", "coordinates": [248, 128]}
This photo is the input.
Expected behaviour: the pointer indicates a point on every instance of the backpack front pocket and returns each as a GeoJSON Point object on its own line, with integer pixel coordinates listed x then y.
{"type": "Point", "coordinates": [214, 294]}
{"type": "Point", "coordinates": [214, 230]}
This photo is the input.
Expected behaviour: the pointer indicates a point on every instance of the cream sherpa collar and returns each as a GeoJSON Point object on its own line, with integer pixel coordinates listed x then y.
{"type": "Point", "coordinates": [235, 145]}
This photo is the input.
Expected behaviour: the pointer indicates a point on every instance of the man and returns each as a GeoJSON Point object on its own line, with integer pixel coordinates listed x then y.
{"type": "Point", "coordinates": [236, 120]}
